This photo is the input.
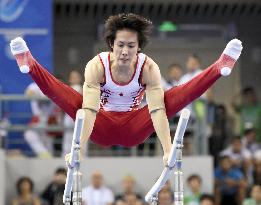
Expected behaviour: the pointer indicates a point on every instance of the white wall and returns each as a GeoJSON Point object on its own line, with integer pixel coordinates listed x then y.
{"type": "Point", "coordinates": [145, 170]}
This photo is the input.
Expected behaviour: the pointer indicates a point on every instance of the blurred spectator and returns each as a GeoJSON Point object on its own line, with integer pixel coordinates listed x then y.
{"type": "Point", "coordinates": [257, 168]}
{"type": "Point", "coordinates": [97, 193]}
{"type": "Point", "coordinates": [240, 156]}
{"type": "Point", "coordinates": [249, 110]}
{"type": "Point", "coordinates": [4, 123]}
{"type": "Point", "coordinates": [166, 194]}
{"type": "Point", "coordinates": [193, 65]}
{"type": "Point", "coordinates": [167, 187]}
{"type": "Point", "coordinates": [25, 196]}
{"type": "Point", "coordinates": [230, 185]}
{"type": "Point", "coordinates": [75, 81]}
{"type": "Point", "coordinates": [38, 140]}
{"type": "Point", "coordinates": [131, 199]}
{"type": "Point", "coordinates": [207, 199]}
{"type": "Point", "coordinates": [165, 84]}
{"type": "Point", "coordinates": [44, 113]}
{"type": "Point", "coordinates": [188, 148]}
{"type": "Point", "coordinates": [174, 74]}
{"type": "Point", "coordinates": [211, 108]}
{"type": "Point", "coordinates": [165, 198]}
{"type": "Point", "coordinates": [128, 187]}
{"type": "Point", "coordinates": [120, 202]}
{"type": "Point", "coordinates": [220, 124]}
{"type": "Point", "coordinates": [53, 193]}
{"type": "Point", "coordinates": [255, 198]}
{"type": "Point", "coordinates": [193, 68]}
{"type": "Point", "coordinates": [194, 183]}
{"type": "Point", "coordinates": [249, 140]}
{"type": "Point", "coordinates": [55, 119]}
{"type": "Point", "coordinates": [197, 107]}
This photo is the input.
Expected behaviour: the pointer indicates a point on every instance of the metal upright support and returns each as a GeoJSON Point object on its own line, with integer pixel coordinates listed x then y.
{"type": "Point", "coordinates": [175, 160]}
{"type": "Point", "coordinates": [74, 177]}
{"type": "Point", "coordinates": [77, 180]}
{"type": "Point", "coordinates": [154, 200]}
{"type": "Point", "coordinates": [178, 178]}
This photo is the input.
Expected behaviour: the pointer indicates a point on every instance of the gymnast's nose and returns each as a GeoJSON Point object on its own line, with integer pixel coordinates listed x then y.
{"type": "Point", "coordinates": [124, 51]}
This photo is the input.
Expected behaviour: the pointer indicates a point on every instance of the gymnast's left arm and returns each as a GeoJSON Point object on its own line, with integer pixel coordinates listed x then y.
{"type": "Point", "coordinates": [155, 99]}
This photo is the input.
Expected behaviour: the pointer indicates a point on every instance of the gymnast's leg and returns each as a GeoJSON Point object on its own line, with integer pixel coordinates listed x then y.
{"type": "Point", "coordinates": [63, 95]}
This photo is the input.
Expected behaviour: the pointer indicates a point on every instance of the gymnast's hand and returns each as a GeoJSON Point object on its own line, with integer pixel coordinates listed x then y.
{"type": "Point", "coordinates": [67, 158]}
{"type": "Point", "coordinates": [165, 158]}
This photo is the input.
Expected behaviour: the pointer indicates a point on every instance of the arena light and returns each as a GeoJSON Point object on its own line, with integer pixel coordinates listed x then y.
{"type": "Point", "coordinates": [167, 26]}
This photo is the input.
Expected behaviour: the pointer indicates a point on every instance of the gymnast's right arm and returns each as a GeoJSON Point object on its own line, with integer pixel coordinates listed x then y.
{"type": "Point", "coordinates": [91, 97]}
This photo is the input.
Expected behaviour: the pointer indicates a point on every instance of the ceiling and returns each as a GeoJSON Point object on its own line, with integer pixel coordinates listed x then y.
{"type": "Point", "coordinates": [167, 9]}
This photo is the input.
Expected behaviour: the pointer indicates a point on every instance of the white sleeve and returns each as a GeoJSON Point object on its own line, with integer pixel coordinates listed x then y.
{"type": "Point", "coordinates": [34, 87]}
{"type": "Point", "coordinates": [247, 154]}
{"type": "Point", "coordinates": [225, 152]}
{"type": "Point", "coordinates": [109, 196]}
{"type": "Point", "coordinates": [85, 195]}
{"type": "Point", "coordinates": [164, 84]}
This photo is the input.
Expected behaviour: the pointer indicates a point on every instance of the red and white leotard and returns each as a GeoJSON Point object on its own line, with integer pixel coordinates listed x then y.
{"type": "Point", "coordinates": [121, 97]}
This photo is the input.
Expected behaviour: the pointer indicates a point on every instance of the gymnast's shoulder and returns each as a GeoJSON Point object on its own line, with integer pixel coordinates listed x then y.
{"type": "Point", "coordinates": [94, 69]}
{"type": "Point", "coordinates": [150, 65]}
{"type": "Point", "coordinates": [151, 73]}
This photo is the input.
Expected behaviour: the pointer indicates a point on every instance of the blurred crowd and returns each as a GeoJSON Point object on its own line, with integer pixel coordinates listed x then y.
{"type": "Point", "coordinates": [230, 188]}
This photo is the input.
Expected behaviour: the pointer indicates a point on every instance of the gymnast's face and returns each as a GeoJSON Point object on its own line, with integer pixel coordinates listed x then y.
{"type": "Point", "coordinates": [125, 47]}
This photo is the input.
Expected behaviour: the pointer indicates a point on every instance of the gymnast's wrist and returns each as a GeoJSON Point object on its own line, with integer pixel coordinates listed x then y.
{"type": "Point", "coordinates": [167, 148]}
{"type": "Point", "coordinates": [81, 153]}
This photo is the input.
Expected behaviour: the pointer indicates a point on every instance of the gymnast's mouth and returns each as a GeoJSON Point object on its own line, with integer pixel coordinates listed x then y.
{"type": "Point", "coordinates": [124, 60]}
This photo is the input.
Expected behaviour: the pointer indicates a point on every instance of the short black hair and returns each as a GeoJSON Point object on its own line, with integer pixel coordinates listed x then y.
{"type": "Point", "coordinates": [236, 138]}
{"type": "Point", "coordinates": [194, 176]}
{"type": "Point", "coordinates": [195, 56]}
{"type": "Point", "coordinates": [248, 89]}
{"type": "Point", "coordinates": [174, 65]}
{"type": "Point", "coordinates": [129, 21]}
{"type": "Point", "coordinates": [207, 197]}
{"type": "Point", "coordinates": [20, 181]}
{"type": "Point", "coordinates": [223, 157]}
{"type": "Point", "coordinates": [61, 170]}
{"type": "Point", "coordinates": [248, 131]}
